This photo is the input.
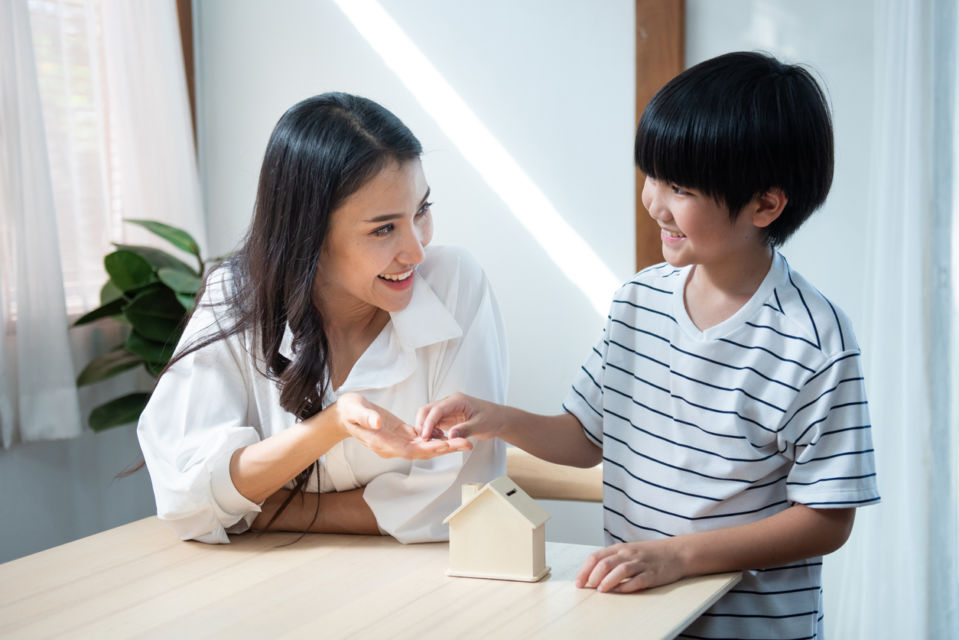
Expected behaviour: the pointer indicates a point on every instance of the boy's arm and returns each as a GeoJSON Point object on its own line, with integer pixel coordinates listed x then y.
{"type": "Point", "coordinates": [791, 535]}
{"type": "Point", "coordinates": [558, 439]}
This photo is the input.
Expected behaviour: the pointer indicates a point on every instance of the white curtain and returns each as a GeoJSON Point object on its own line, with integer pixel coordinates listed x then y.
{"type": "Point", "coordinates": [36, 370]}
{"type": "Point", "coordinates": [95, 128]}
{"type": "Point", "coordinates": [897, 576]}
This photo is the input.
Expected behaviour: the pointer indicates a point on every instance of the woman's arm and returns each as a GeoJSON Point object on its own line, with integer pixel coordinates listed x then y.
{"type": "Point", "coordinates": [344, 512]}
{"type": "Point", "coordinates": [259, 470]}
{"type": "Point", "coordinates": [794, 534]}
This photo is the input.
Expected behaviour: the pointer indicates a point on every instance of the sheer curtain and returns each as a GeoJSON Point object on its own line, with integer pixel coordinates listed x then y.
{"type": "Point", "coordinates": [96, 128]}
{"type": "Point", "coordinates": [897, 577]}
{"type": "Point", "coordinates": [35, 364]}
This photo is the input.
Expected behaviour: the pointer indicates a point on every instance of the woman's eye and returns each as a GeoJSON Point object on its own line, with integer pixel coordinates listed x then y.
{"type": "Point", "coordinates": [424, 209]}
{"type": "Point", "coordinates": [384, 230]}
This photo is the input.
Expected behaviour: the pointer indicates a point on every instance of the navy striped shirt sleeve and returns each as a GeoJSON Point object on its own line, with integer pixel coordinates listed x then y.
{"type": "Point", "coordinates": [827, 433]}
{"type": "Point", "coordinates": [585, 397]}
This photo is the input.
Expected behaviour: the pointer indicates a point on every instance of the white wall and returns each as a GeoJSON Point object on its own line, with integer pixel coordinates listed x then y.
{"type": "Point", "coordinates": [56, 491]}
{"type": "Point", "coordinates": [552, 81]}
{"type": "Point", "coordinates": [834, 40]}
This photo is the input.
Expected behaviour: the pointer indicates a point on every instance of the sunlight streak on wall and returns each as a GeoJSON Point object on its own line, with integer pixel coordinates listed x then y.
{"type": "Point", "coordinates": [568, 251]}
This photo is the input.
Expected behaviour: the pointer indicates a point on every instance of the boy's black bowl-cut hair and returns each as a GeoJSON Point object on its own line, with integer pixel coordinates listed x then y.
{"type": "Point", "coordinates": [737, 125]}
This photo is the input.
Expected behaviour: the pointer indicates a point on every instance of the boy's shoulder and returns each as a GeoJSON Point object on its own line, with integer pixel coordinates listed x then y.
{"type": "Point", "coordinates": [803, 312]}
{"type": "Point", "coordinates": [662, 277]}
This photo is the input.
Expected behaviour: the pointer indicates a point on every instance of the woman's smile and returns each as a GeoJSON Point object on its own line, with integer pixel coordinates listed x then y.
{"type": "Point", "coordinates": [398, 281]}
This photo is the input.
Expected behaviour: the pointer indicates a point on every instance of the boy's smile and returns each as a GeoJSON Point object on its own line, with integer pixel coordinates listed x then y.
{"type": "Point", "coordinates": [695, 229]}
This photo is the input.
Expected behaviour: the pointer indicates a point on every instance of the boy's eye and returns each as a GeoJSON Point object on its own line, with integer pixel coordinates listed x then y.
{"type": "Point", "coordinates": [384, 230]}
{"type": "Point", "coordinates": [678, 190]}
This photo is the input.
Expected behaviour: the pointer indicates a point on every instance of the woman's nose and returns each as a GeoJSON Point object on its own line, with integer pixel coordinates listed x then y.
{"type": "Point", "coordinates": [412, 250]}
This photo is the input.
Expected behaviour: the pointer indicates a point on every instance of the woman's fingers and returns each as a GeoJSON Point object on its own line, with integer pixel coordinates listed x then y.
{"type": "Point", "coordinates": [389, 437]}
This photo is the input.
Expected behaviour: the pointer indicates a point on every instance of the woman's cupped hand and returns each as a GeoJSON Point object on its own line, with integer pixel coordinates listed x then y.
{"type": "Point", "coordinates": [387, 435]}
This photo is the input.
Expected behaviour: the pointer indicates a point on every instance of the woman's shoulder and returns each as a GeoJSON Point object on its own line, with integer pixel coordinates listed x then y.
{"type": "Point", "coordinates": [215, 308]}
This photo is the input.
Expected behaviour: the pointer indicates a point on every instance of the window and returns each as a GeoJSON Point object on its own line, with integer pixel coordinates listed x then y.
{"type": "Point", "coordinates": [80, 142]}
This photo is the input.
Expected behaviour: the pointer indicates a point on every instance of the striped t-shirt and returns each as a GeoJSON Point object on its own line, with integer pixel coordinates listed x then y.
{"type": "Point", "coordinates": [709, 429]}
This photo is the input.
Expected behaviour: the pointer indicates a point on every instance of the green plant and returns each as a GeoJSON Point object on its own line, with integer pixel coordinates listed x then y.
{"type": "Point", "coordinates": [152, 292]}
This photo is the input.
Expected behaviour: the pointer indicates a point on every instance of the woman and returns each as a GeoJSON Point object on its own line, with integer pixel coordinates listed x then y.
{"type": "Point", "coordinates": [288, 402]}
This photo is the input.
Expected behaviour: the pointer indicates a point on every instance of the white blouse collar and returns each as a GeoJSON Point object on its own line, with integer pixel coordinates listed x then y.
{"type": "Point", "coordinates": [391, 356]}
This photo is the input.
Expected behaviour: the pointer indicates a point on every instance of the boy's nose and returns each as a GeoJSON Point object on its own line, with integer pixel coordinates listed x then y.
{"type": "Point", "coordinates": [651, 201]}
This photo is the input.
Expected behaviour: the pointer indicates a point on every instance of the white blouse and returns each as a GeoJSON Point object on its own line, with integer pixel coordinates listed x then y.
{"type": "Point", "coordinates": [214, 401]}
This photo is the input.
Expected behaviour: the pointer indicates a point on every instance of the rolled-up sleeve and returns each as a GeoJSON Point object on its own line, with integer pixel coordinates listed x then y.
{"type": "Point", "coordinates": [195, 420]}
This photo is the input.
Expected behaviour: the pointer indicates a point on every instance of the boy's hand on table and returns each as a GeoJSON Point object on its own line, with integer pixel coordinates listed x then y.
{"type": "Point", "coordinates": [460, 416]}
{"type": "Point", "coordinates": [631, 566]}
{"type": "Point", "coordinates": [388, 436]}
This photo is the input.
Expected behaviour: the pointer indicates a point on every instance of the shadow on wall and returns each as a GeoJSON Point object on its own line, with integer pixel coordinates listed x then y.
{"type": "Point", "coordinates": [60, 490]}
{"type": "Point", "coordinates": [575, 259]}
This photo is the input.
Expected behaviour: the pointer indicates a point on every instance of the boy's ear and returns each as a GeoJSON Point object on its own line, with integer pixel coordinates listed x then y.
{"type": "Point", "coordinates": [768, 206]}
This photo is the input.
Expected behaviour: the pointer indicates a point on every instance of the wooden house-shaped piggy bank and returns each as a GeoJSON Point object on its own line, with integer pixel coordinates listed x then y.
{"type": "Point", "coordinates": [499, 532]}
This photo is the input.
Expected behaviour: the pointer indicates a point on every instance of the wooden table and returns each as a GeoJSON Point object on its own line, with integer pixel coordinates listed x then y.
{"type": "Point", "coordinates": [140, 580]}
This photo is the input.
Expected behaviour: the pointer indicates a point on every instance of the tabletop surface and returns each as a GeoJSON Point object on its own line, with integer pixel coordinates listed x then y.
{"type": "Point", "coordinates": [140, 580]}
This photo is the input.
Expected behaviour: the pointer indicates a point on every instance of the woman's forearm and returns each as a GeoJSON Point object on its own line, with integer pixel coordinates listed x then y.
{"type": "Point", "coordinates": [343, 512]}
{"type": "Point", "coordinates": [261, 469]}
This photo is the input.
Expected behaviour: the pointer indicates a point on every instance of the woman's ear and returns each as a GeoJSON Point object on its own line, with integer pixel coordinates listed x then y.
{"type": "Point", "coordinates": [768, 206]}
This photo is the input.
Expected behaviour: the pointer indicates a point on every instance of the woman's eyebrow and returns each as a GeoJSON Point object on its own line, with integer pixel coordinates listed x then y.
{"type": "Point", "coordinates": [386, 217]}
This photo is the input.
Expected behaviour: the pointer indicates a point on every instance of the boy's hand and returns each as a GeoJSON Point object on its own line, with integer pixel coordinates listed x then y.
{"type": "Point", "coordinates": [461, 416]}
{"type": "Point", "coordinates": [631, 566]}
{"type": "Point", "coordinates": [385, 434]}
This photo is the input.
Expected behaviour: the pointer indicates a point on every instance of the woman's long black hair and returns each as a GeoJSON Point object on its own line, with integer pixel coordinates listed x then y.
{"type": "Point", "coordinates": [321, 151]}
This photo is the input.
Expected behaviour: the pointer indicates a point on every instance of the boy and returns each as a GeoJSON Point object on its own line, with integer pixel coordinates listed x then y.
{"type": "Point", "coordinates": [725, 398]}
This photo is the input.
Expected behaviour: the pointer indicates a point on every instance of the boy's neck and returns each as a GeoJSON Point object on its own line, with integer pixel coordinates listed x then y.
{"type": "Point", "coordinates": [715, 292]}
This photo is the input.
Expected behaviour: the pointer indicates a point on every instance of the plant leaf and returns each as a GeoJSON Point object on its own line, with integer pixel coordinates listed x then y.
{"type": "Point", "coordinates": [128, 271]}
{"type": "Point", "coordinates": [108, 365]}
{"type": "Point", "coordinates": [177, 237]}
{"type": "Point", "coordinates": [156, 314]}
{"type": "Point", "coordinates": [149, 350]}
{"type": "Point", "coordinates": [158, 258]}
{"type": "Point", "coordinates": [179, 281]}
{"type": "Point", "coordinates": [109, 292]}
{"type": "Point", "coordinates": [154, 368]}
{"type": "Point", "coordinates": [112, 308]}
{"type": "Point", "coordinates": [122, 410]}
{"type": "Point", "coordinates": [187, 301]}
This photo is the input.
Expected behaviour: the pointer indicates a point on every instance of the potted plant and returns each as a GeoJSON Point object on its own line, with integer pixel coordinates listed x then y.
{"type": "Point", "coordinates": [153, 292]}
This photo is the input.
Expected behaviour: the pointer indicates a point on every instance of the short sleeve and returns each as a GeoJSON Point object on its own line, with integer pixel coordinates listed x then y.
{"type": "Point", "coordinates": [827, 434]}
{"type": "Point", "coordinates": [194, 421]}
{"type": "Point", "coordinates": [585, 397]}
